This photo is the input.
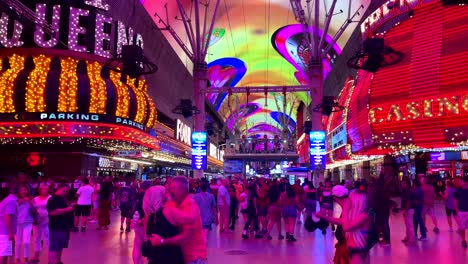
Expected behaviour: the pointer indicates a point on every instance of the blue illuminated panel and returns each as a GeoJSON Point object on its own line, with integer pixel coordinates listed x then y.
{"type": "Point", "coordinates": [199, 150]}
{"type": "Point", "coordinates": [318, 150]}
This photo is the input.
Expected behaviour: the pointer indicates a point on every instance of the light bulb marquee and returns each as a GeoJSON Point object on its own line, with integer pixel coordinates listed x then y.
{"type": "Point", "coordinates": [80, 26]}
{"type": "Point", "coordinates": [67, 97]}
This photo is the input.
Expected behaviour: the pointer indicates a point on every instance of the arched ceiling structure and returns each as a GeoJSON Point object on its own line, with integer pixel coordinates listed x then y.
{"type": "Point", "coordinates": [245, 51]}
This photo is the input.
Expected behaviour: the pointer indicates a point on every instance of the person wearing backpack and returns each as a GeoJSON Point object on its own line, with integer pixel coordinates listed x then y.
{"type": "Point", "coordinates": [359, 227]}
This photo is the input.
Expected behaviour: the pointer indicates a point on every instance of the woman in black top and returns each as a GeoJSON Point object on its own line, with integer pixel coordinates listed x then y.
{"type": "Point", "coordinates": [160, 225]}
{"type": "Point", "coordinates": [252, 215]}
{"type": "Point", "coordinates": [311, 198]}
{"type": "Point", "coordinates": [164, 222]}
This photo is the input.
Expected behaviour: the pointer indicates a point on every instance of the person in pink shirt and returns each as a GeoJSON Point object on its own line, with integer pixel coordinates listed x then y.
{"type": "Point", "coordinates": [191, 239]}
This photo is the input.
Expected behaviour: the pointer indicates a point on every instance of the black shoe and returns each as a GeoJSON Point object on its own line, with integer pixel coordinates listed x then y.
{"type": "Point", "coordinates": [127, 230]}
{"type": "Point", "coordinates": [280, 237]}
{"type": "Point", "coordinates": [291, 239]}
{"type": "Point", "coordinates": [258, 235]}
{"type": "Point", "coordinates": [121, 229]}
{"type": "Point", "coordinates": [245, 236]}
{"type": "Point", "coordinates": [74, 229]}
{"type": "Point", "coordinates": [464, 244]}
{"type": "Point", "coordinates": [83, 229]}
{"type": "Point", "coordinates": [436, 230]}
{"type": "Point", "coordinates": [268, 237]}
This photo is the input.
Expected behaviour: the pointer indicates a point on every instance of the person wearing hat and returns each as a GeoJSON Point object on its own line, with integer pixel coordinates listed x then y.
{"type": "Point", "coordinates": [340, 195]}
{"type": "Point", "coordinates": [354, 226]}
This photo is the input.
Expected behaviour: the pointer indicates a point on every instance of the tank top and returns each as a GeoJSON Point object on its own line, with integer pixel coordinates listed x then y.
{"type": "Point", "coordinates": [311, 194]}
{"type": "Point", "coordinates": [327, 197]}
{"type": "Point", "coordinates": [170, 254]}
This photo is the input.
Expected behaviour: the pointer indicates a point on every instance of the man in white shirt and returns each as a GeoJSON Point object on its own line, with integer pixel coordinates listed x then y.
{"type": "Point", "coordinates": [224, 201]}
{"type": "Point", "coordinates": [83, 206]}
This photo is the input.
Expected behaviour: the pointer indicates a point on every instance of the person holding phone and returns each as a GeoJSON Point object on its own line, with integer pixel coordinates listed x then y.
{"type": "Point", "coordinates": [60, 223]}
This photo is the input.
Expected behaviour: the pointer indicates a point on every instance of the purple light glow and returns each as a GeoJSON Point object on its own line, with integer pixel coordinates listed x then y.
{"type": "Point", "coordinates": [280, 43]}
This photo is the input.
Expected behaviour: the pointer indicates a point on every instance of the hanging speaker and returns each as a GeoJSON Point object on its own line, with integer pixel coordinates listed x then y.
{"type": "Point", "coordinates": [307, 127]}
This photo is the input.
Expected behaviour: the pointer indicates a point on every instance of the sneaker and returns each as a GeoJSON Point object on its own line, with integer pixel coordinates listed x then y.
{"type": "Point", "coordinates": [280, 237]}
{"type": "Point", "coordinates": [422, 238]}
{"type": "Point", "coordinates": [83, 229]}
{"type": "Point", "coordinates": [268, 237]}
{"type": "Point", "coordinates": [121, 229]}
{"type": "Point", "coordinates": [405, 240]}
{"type": "Point", "coordinates": [74, 229]}
{"type": "Point", "coordinates": [464, 244]}
{"type": "Point", "coordinates": [436, 230]}
{"type": "Point", "coordinates": [245, 236]}
{"type": "Point", "coordinates": [127, 230]}
{"type": "Point", "coordinates": [291, 239]}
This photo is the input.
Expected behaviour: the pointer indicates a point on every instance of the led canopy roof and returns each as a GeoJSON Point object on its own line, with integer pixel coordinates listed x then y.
{"type": "Point", "coordinates": [261, 34]}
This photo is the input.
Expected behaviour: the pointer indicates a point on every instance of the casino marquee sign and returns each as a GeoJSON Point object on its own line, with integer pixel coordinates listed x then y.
{"type": "Point", "coordinates": [78, 25]}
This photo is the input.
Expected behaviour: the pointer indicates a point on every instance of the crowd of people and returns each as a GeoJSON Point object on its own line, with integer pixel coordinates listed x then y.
{"type": "Point", "coordinates": [171, 219]}
{"type": "Point", "coordinates": [258, 144]}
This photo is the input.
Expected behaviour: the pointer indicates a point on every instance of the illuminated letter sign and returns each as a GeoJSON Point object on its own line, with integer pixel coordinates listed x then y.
{"type": "Point", "coordinates": [318, 151]}
{"type": "Point", "coordinates": [79, 24]}
{"type": "Point", "coordinates": [183, 132]}
{"type": "Point", "coordinates": [199, 150]}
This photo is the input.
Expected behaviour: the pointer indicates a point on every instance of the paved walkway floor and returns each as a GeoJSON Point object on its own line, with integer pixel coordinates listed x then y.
{"type": "Point", "coordinates": [102, 247]}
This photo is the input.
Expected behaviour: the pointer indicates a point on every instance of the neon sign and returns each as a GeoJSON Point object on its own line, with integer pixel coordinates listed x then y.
{"type": "Point", "coordinates": [413, 110]}
{"type": "Point", "coordinates": [318, 150]}
{"type": "Point", "coordinates": [183, 132]}
{"type": "Point", "coordinates": [199, 150]}
{"type": "Point", "coordinates": [87, 30]}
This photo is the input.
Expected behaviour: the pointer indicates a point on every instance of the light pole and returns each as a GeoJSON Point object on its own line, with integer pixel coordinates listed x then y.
{"type": "Point", "coordinates": [318, 49]}
{"type": "Point", "coordinates": [198, 31]}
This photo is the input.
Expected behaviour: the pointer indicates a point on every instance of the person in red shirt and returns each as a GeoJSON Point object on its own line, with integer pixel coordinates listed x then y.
{"type": "Point", "coordinates": [191, 239]}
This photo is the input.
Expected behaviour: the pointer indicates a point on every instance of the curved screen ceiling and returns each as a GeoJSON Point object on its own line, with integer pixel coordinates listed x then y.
{"type": "Point", "coordinates": [244, 30]}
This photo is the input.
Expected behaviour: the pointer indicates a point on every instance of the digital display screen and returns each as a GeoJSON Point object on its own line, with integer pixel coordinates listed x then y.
{"type": "Point", "coordinates": [318, 150]}
{"type": "Point", "coordinates": [199, 150]}
{"type": "Point", "coordinates": [233, 166]}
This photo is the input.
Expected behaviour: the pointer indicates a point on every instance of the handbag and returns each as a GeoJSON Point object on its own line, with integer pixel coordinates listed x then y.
{"type": "Point", "coordinates": [146, 248]}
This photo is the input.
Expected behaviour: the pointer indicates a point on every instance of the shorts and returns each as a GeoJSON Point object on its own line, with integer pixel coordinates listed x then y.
{"type": "Point", "coordinates": [290, 211]}
{"type": "Point", "coordinates": [6, 246]}
{"type": "Point", "coordinates": [263, 211]}
{"type": "Point", "coordinates": [327, 206]}
{"type": "Point", "coordinates": [83, 210]}
{"type": "Point", "coordinates": [462, 220]}
{"type": "Point", "coordinates": [274, 213]}
{"type": "Point", "coordinates": [126, 211]}
{"type": "Point", "coordinates": [59, 240]}
{"type": "Point", "coordinates": [450, 212]}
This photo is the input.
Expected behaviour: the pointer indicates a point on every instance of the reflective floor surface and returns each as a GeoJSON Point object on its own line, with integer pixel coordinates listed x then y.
{"type": "Point", "coordinates": [100, 247]}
